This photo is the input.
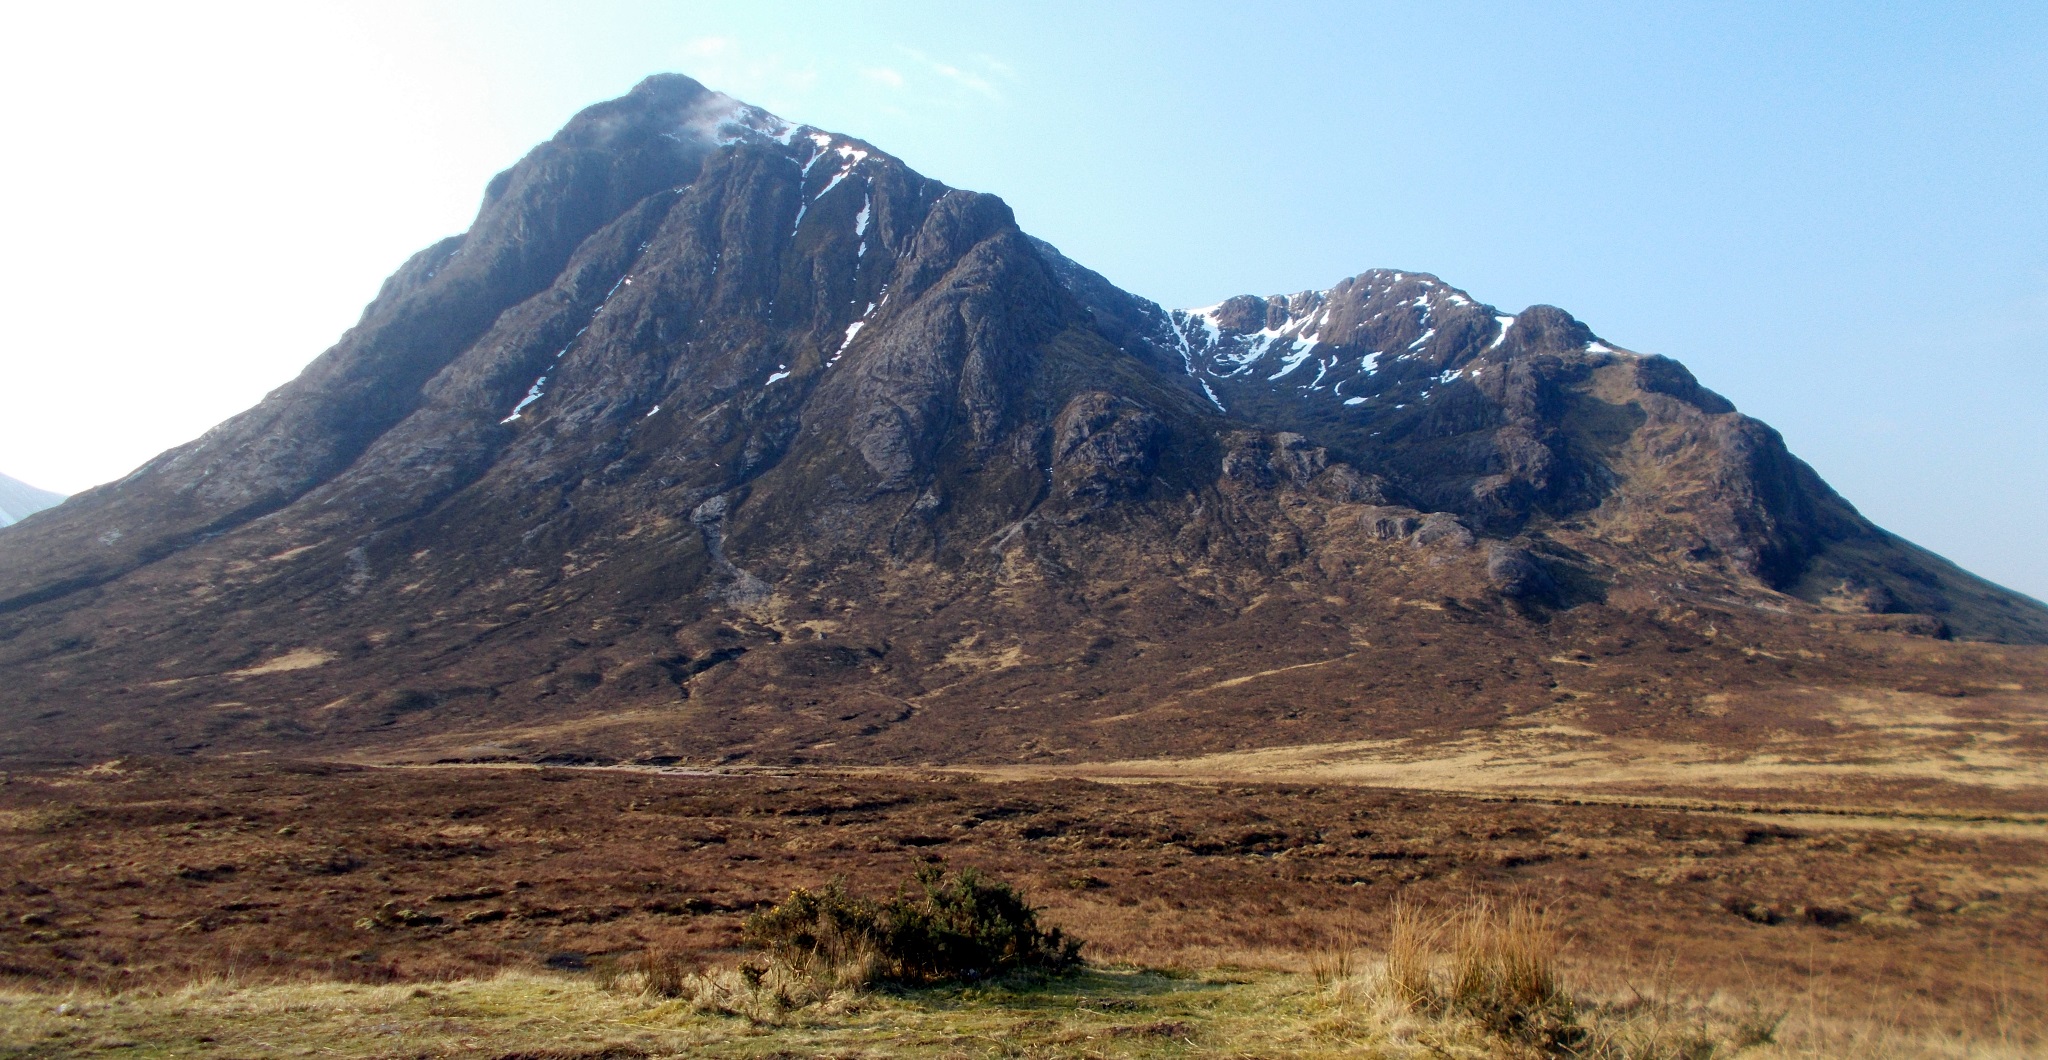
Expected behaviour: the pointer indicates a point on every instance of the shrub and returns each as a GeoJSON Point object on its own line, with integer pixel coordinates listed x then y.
{"type": "Point", "coordinates": [828, 934]}
{"type": "Point", "coordinates": [947, 927]}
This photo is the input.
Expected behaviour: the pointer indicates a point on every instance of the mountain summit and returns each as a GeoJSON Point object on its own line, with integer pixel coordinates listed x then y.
{"type": "Point", "coordinates": [717, 436]}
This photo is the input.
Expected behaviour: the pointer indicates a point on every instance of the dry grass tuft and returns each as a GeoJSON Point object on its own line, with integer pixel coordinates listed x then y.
{"type": "Point", "coordinates": [1502, 972]}
{"type": "Point", "coordinates": [767, 993]}
{"type": "Point", "coordinates": [1408, 977]}
{"type": "Point", "coordinates": [660, 972]}
{"type": "Point", "coordinates": [1504, 975]}
{"type": "Point", "coordinates": [1335, 958]}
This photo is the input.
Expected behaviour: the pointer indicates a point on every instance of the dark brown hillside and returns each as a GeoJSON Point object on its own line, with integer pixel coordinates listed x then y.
{"type": "Point", "coordinates": [721, 438]}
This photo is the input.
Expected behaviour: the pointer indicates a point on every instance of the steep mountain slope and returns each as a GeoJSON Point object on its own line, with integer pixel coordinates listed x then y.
{"type": "Point", "coordinates": [19, 500]}
{"type": "Point", "coordinates": [717, 436]}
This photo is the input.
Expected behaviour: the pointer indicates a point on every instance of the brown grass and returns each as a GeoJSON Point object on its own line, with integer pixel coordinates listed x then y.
{"type": "Point", "coordinates": [162, 874]}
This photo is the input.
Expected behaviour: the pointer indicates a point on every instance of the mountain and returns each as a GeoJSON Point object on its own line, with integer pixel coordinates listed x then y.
{"type": "Point", "coordinates": [720, 437]}
{"type": "Point", "coordinates": [19, 500]}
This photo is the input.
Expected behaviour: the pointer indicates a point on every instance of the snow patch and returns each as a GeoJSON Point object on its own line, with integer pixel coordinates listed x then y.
{"type": "Point", "coordinates": [851, 330]}
{"type": "Point", "coordinates": [533, 394]}
{"type": "Point", "coordinates": [1505, 323]}
{"type": "Point", "coordinates": [830, 184]}
{"type": "Point", "coordinates": [1293, 360]}
{"type": "Point", "coordinates": [1187, 355]}
{"type": "Point", "coordinates": [823, 143]}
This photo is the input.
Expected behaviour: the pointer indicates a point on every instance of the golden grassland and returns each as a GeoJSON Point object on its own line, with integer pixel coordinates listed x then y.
{"type": "Point", "coordinates": [1354, 1011]}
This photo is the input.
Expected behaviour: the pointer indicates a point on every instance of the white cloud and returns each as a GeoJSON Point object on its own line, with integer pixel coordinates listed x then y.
{"type": "Point", "coordinates": [729, 66]}
{"type": "Point", "coordinates": [711, 47]}
{"type": "Point", "coordinates": [981, 81]}
{"type": "Point", "coordinates": [882, 75]}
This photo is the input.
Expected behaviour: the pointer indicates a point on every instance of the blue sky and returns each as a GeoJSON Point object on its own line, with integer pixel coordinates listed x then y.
{"type": "Point", "coordinates": [1834, 214]}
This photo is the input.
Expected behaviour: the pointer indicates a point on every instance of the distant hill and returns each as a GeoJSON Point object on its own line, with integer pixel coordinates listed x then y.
{"type": "Point", "coordinates": [19, 500]}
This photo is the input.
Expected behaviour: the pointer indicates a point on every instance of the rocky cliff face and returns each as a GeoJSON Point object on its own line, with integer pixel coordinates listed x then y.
{"type": "Point", "coordinates": [721, 436]}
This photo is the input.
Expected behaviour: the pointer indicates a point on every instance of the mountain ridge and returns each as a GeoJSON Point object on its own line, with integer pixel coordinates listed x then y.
{"type": "Point", "coordinates": [720, 436]}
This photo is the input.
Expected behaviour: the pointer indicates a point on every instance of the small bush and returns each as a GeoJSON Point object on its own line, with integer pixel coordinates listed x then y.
{"type": "Point", "coordinates": [948, 927]}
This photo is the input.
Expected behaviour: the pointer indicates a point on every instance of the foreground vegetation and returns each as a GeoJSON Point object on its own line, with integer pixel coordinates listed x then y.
{"type": "Point", "coordinates": [203, 909]}
{"type": "Point", "coordinates": [835, 975]}
{"type": "Point", "coordinates": [1092, 1013]}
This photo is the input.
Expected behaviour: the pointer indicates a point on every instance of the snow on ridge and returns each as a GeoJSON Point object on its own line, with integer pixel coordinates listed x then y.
{"type": "Point", "coordinates": [1505, 322]}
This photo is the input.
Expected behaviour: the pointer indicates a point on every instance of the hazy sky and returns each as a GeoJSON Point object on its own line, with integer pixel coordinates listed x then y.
{"type": "Point", "coordinates": [1837, 215]}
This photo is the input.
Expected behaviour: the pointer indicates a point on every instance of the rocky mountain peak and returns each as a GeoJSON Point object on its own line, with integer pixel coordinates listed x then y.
{"type": "Point", "coordinates": [709, 408]}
